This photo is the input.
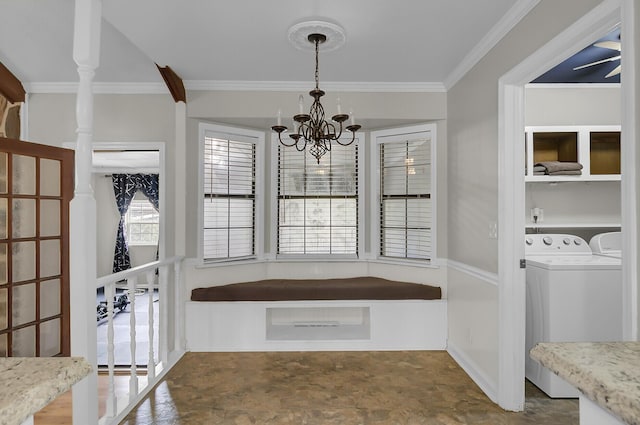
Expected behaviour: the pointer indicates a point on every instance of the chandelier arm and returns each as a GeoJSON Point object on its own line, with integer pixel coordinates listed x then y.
{"type": "Point", "coordinates": [353, 138]}
{"type": "Point", "coordinates": [285, 144]}
{"type": "Point", "coordinates": [333, 135]}
{"type": "Point", "coordinates": [299, 145]}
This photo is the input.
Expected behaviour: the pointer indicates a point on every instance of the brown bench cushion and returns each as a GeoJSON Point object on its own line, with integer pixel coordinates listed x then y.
{"type": "Point", "coordinates": [357, 288]}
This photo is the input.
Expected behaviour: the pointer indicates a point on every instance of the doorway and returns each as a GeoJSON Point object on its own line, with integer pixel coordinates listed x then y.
{"type": "Point", "coordinates": [129, 197]}
{"type": "Point", "coordinates": [511, 293]}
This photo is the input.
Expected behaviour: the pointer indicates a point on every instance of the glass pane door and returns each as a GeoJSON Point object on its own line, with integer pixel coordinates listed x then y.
{"type": "Point", "coordinates": [36, 185]}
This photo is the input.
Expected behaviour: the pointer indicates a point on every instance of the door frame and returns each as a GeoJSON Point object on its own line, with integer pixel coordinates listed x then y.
{"type": "Point", "coordinates": [511, 187]}
{"type": "Point", "coordinates": [162, 177]}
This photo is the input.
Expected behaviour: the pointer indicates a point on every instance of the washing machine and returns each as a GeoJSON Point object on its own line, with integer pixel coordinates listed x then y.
{"type": "Point", "coordinates": [572, 295]}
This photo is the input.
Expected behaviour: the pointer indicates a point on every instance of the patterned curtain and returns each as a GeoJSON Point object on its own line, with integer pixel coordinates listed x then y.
{"type": "Point", "coordinates": [125, 187]}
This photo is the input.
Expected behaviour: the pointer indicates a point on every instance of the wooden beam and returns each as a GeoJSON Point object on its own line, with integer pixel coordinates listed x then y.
{"type": "Point", "coordinates": [10, 86]}
{"type": "Point", "coordinates": [174, 84]}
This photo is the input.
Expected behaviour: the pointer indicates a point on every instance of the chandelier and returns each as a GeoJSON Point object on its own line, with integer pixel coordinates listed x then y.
{"type": "Point", "coordinates": [312, 129]}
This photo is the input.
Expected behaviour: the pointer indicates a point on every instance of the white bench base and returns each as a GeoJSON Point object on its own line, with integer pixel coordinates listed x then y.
{"type": "Point", "coordinates": [339, 325]}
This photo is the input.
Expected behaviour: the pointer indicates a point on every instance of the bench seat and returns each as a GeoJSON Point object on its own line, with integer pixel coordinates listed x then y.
{"type": "Point", "coordinates": [362, 313]}
{"type": "Point", "coordinates": [357, 288]}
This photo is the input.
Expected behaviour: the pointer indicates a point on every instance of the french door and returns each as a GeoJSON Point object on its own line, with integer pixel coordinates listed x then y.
{"type": "Point", "coordinates": [36, 186]}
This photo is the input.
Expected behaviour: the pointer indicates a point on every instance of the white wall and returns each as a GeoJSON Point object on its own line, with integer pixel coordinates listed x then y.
{"type": "Point", "coordinates": [472, 117]}
{"type": "Point", "coordinates": [117, 119]}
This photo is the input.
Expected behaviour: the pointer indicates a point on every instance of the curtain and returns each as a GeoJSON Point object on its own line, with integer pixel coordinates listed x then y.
{"type": "Point", "coordinates": [125, 187]}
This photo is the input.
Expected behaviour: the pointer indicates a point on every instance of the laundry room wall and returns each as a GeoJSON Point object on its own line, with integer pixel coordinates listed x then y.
{"type": "Point", "coordinates": [563, 105]}
{"type": "Point", "coordinates": [576, 203]}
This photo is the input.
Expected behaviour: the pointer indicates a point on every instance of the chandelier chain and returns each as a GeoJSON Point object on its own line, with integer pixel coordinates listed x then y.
{"type": "Point", "coordinates": [317, 66]}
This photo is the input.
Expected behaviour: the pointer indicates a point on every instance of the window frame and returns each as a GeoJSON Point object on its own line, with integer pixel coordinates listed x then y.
{"type": "Point", "coordinates": [360, 206]}
{"type": "Point", "coordinates": [128, 223]}
{"type": "Point", "coordinates": [388, 136]}
{"type": "Point", "coordinates": [258, 139]}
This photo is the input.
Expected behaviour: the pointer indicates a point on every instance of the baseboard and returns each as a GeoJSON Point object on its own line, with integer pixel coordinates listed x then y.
{"type": "Point", "coordinates": [475, 373]}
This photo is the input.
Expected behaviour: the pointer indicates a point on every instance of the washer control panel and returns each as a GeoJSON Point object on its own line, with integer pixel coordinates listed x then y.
{"type": "Point", "coordinates": [540, 243]}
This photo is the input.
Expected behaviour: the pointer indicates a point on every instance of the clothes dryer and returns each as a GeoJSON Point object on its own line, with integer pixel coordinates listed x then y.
{"type": "Point", "coordinates": [572, 296]}
{"type": "Point", "coordinates": [608, 244]}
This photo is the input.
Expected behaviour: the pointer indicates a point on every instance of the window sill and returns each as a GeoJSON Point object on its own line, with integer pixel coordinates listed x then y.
{"type": "Point", "coordinates": [199, 264]}
{"type": "Point", "coordinates": [430, 264]}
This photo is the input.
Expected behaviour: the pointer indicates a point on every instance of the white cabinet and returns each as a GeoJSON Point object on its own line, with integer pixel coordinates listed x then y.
{"type": "Point", "coordinates": [597, 148]}
{"type": "Point", "coordinates": [583, 204]}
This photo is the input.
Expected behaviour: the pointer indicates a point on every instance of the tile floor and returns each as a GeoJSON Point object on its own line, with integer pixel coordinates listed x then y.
{"type": "Point", "coordinates": [416, 387]}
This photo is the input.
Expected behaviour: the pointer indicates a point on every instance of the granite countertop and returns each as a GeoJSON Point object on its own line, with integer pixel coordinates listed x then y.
{"type": "Point", "coordinates": [608, 373]}
{"type": "Point", "coordinates": [30, 383]}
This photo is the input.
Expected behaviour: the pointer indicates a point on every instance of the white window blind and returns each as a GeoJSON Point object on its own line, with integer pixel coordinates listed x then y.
{"type": "Point", "coordinates": [229, 197]}
{"type": "Point", "coordinates": [318, 203]}
{"type": "Point", "coordinates": [405, 198]}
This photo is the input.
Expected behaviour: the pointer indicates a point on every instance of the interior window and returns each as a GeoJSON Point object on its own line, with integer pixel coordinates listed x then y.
{"type": "Point", "coordinates": [318, 202]}
{"type": "Point", "coordinates": [143, 223]}
{"type": "Point", "coordinates": [405, 195]}
{"type": "Point", "coordinates": [229, 189]}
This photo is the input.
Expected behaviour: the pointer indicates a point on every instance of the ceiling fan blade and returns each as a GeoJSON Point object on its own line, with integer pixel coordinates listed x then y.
{"type": "Point", "coordinates": [613, 45]}
{"type": "Point", "coordinates": [615, 71]}
{"type": "Point", "coordinates": [611, 59]}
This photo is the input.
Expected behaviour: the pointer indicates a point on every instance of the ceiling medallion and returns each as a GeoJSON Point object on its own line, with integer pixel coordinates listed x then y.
{"type": "Point", "coordinates": [312, 129]}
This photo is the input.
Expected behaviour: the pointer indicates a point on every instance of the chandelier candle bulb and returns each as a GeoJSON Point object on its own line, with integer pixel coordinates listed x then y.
{"type": "Point", "coordinates": [279, 117]}
{"type": "Point", "coordinates": [353, 119]}
{"type": "Point", "coordinates": [339, 107]}
{"type": "Point", "coordinates": [301, 104]}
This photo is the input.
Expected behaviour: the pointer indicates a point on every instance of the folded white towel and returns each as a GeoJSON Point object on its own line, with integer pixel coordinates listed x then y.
{"type": "Point", "coordinates": [554, 166]}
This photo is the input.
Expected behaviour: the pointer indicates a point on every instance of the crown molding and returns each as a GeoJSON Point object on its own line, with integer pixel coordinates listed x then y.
{"type": "Point", "coordinates": [504, 25]}
{"type": "Point", "coordinates": [98, 88]}
{"type": "Point", "coordinates": [219, 85]}
{"type": "Point", "coordinates": [214, 85]}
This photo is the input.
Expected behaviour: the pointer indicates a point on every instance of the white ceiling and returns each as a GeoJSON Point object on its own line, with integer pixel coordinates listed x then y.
{"type": "Point", "coordinates": [402, 41]}
{"type": "Point", "coordinates": [126, 161]}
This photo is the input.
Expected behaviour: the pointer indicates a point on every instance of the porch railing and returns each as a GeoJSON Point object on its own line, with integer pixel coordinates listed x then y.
{"type": "Point", "coordinates": [170, 338]}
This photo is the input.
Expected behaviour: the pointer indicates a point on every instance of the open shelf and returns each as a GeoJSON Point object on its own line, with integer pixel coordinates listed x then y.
{"type": "Point", "coordinates": [318, 323]}
{"type": "Point", "coordinates": [597, 148]}
{"type": "Point", "coordinates": [555, 146]}
{"type": "Point", "coordinates": [604, 152]}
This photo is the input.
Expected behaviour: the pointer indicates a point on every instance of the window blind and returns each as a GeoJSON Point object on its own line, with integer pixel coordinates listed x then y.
{"type": "Point", "coordinates": [318, 203]}
{"type": "Point", "coordinates": [405, 199]}
{"type": "Point", "coordinates": [229, 198]}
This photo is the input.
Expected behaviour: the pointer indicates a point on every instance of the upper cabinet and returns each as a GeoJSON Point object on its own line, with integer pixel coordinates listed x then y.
{"type": "Point", "coordinates": [595, 148]}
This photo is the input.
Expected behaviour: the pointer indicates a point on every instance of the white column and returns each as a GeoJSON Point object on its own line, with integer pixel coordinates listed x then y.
{"type": "Point", "coordinates": [86, 53]}
{"type": "Point", "coordinates": [180, 225]}
{"type": "Point", "coordinates": [630, 38]}
{"type": "Point", "coordinates": [180, 169]}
